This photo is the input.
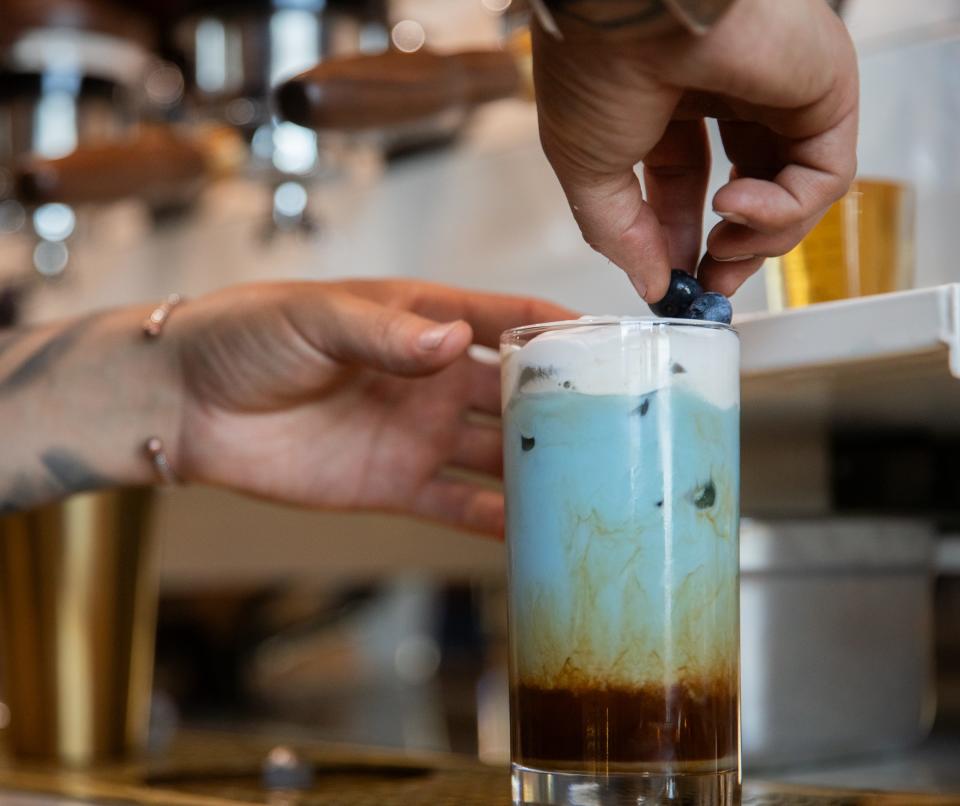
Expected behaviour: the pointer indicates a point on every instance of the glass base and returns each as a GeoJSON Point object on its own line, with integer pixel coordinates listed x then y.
{"type": "Point", "coordinates": [543, 788]}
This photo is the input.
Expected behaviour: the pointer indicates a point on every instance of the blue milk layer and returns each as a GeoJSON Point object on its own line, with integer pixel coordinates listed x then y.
{"type": "Point", "coordinates": [622, 532]}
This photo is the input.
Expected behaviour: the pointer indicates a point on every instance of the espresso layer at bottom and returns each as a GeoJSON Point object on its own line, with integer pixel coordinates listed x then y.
{"type": "Point", "coordinates": [681, 723]}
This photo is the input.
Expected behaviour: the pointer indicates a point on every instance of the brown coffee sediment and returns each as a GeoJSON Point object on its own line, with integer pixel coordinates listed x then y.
{"type": "Point", "coordinates": [595, 726]}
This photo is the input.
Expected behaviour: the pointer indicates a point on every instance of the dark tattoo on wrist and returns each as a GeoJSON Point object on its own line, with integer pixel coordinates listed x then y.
{"type": "Point", "coordinates": [70, 473]}
{"type": "Point", "coordinates": [594, 12]}
{"type": "Point", "coordinates": [56, 472]}
{"type": "Point", "coordinates": [21, 493]}
{"type": "Point", "coordinates": [63, 474]}
{"type": "Point", "coordinates": [42, 357]}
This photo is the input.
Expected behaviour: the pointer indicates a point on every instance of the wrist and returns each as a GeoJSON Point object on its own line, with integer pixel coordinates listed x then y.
{"type": "Point", "coordinates": [130, 389]}
{"type": "Point", "coordinates": [113, 388]}
{"type": "Point", "coordinates": [78, 400]}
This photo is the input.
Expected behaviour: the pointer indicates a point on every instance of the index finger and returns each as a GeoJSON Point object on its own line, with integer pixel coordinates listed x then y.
{"type": "Point", "coordinates": [487, 313]}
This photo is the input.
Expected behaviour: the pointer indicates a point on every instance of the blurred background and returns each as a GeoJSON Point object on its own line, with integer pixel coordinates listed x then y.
{"type": "Point", "coordinates": [144, 151]}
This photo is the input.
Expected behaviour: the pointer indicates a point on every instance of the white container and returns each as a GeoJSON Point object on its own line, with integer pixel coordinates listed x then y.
{"type": "Point", "coordinates": [836, 638]}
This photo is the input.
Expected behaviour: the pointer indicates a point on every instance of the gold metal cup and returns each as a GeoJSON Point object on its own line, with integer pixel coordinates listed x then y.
{"type": "Point", "coordinates": [78, 597]}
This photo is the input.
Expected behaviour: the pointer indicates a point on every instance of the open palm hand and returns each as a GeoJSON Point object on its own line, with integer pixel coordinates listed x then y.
{"type": "Point", "coordinates": [354, 395]}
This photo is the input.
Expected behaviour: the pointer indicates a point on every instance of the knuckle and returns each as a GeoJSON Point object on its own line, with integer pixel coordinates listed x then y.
{"type": "Point", "coordinates": [385, 328]}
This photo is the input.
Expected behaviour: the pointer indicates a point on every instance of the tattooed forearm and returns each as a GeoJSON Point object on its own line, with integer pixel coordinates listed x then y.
{"type": "Point", "coordinates": [77, 401]}
{"type": "Point", "coordinates": [70, 473]}
{"type": "Point", "coordinates": [62, 473]}
{"type": "Point", "coordinates": [32, 470]}
{"type": "Point", "coordinates": [21, 493]}
{"type": "Point", "coordinates": [42, 356]}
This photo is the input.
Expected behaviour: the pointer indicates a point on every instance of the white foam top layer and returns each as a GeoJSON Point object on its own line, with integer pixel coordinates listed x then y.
{"type": "Point", "coordinates": [612, 356]}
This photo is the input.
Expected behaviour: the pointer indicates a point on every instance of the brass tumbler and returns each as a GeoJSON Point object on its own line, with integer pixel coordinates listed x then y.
{"type": "Point", "coordinates": [78, 597]}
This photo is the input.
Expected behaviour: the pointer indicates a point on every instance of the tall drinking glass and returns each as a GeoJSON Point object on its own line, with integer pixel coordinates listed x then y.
{"type": "Point", "coordinates": [621, 468]}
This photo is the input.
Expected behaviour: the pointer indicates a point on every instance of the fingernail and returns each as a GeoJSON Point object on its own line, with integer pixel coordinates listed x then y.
{"type": "Point", "coordinates": [433, 337]}
{"type": "Point", "coordinates": [732, 259]}
{"type": "Point", "coordinates": [639, 286]}
{"type": "Point", "coordinates": [733, 218]}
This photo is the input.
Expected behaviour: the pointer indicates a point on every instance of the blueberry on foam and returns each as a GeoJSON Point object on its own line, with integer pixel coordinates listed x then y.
{"type": "Point", "coordinates": [684, 289]}
{"type": "Point", "coordinates": [712, 307]}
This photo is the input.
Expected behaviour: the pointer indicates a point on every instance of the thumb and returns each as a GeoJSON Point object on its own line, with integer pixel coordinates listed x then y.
{"type": "Point", "coordinates": [359, 331]}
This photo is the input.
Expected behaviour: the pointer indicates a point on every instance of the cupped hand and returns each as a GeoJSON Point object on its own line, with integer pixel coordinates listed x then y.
{"type": "Point", "coordinates": [352, 395]}
{"type": "Point", "coordinates": [781, 78]}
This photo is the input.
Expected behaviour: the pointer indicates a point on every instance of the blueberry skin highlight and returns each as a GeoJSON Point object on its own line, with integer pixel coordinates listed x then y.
{"type": "Point", "coordinates": [711, 307]}
{"type": "Point", "coordinates": [684, 289]}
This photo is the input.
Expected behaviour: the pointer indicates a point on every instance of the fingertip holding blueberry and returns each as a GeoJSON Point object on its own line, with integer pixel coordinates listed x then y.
{"type": "Point", "coordinates": [712, 307]}
{"type": "Point", "coordinates": [686, 299]}
{"type": "Point", "coordinates": [683, 290]}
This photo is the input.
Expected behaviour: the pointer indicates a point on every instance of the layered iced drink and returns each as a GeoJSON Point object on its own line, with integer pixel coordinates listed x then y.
{"type": "Point", "coordinates": [621, 450]}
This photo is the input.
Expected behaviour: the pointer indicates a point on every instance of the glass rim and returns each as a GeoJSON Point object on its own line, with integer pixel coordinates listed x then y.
{"type": "Point", "coordinates": [514, 333]}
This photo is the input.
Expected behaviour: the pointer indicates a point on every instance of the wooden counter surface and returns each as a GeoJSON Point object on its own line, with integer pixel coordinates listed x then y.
{"type": "Point", "coordinates": [223, 770]}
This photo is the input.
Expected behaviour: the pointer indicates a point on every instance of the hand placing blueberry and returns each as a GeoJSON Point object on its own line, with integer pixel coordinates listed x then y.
{"type": "Point", "coordinates": [684, 289]}
{"type": "Point", "coordinates": [712, 307]}
{"type": "Point", "coordinates": [686, 299]}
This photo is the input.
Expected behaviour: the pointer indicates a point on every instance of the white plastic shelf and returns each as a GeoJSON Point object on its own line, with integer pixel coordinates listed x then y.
{"type": "Point", "coordinates": [887, 360]}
